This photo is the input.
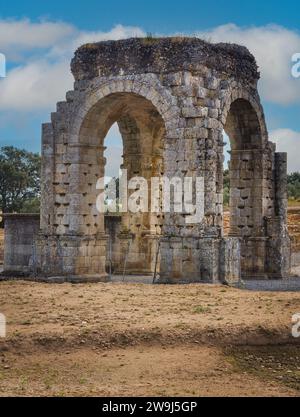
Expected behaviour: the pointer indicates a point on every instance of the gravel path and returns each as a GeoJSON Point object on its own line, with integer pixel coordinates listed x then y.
{"type": "Point", "coordinates": [292, 284]}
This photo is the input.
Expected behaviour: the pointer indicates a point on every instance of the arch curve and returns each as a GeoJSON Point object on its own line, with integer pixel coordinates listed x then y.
{"type": "Point", "coordinates": [138, 111]}
{"type": "Point", "coordinates": [242, 105]}
{"type": "Point", "coordinates": [150, 89]}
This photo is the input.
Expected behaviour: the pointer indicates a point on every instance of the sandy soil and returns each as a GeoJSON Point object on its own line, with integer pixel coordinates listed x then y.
{"type": "Point", "coordinates": [135, 339]}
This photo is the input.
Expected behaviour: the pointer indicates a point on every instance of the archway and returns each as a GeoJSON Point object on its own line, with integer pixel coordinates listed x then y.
{"type": "Point", "coordinates": [142, 130]}
{"type": "Point", "coordinates": [226, 184]}
{"type": "Point", "coordinates": [246, 184]}
{"type": "Point", "coordinates": [171, 118]}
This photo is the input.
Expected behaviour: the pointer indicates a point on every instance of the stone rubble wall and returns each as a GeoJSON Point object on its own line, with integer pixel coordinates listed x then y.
{"type": "Point", "coordinates": [20, 232]}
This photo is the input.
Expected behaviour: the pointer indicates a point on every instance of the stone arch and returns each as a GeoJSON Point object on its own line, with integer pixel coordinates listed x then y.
{"type": "Point", "coordinates": [245, 127]}
{"type": "Point", "coordinates": [149, 88]}
{"type": "Point", "coordinates": [249, 105]}
{"type": "Point", "coordinates": [143, 131]}
{"type": "Point", "coordinates": [180, 83]}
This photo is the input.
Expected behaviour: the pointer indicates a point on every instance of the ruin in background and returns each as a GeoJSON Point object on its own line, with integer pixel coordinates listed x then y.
{"type": "Point", "coordinates": [172, 98]}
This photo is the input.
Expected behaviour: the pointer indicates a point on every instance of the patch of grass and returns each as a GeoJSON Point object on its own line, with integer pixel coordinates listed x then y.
{"type": "Point", "coordinates": [294, 202]}
{"type": "Point", "coordinates": [82, 381]}
{"type": "Point", "coordinates": [26, 323]}
{"type": "Point", "coordinates": [47, 385]}
{"type": "Point", "coordinates": [180, 326]}
{"type": "Point", "coordinates": [273, 363]}
{"type": "Point", "coordinates": [150, 39]}
{"type": "Point", "coordinates": [90, 46]}
{"type": "Point", "coordinates": [201, 310]}
{"type": "Point", "coordinates": [23, 382]}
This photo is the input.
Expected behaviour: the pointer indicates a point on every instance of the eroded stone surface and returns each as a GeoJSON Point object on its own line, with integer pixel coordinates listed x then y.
{"type": "Point", "coordinates": [172, 99]}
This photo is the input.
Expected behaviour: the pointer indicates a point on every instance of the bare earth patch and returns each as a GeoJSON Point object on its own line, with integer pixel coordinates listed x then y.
{"type": "Point", "coordinates": [135, 339]}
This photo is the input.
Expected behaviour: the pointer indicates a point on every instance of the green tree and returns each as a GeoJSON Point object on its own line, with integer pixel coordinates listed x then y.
{"type": "Point", "coordinates": [226, 185]}
{"type": "Point", "coordinates": [112, 190]}
{"type": "Point", "coordinates": [294, 186]}
{"type": "Point", "coordinates": [19, 180]}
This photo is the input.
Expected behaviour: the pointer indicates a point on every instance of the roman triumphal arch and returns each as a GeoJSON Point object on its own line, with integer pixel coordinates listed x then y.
{"type": "Point", "coordinates": [172, 98]}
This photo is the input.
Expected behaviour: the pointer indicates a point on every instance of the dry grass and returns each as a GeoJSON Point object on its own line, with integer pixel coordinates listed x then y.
{"type": "Point", "coordinates": [131, 339]}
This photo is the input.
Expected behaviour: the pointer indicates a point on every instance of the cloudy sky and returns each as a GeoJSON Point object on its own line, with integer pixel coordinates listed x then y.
{"type": "Point", "coordinates": [39, 39]}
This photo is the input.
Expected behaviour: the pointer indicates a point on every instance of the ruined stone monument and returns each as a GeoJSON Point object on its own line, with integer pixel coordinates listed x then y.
{"type": "Point", "coordinates": [172, 99]}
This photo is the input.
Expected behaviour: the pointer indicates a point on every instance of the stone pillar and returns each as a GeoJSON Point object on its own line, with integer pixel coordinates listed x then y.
{"type": "Point", "coordinates": [47, 179]}
{"type": "Point", "coordinates": [281, 196]}
{"type": "Point", "coordinates": [73, 246]}
{"type": "Point", "coordinates": [244, 200]}
{"type": "Point", "coordinates": [279, 244]}
{"type": "Point", "coordinates": [230, 260]}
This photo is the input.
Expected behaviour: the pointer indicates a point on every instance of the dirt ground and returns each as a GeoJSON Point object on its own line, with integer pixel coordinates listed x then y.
{"type": "Point", "coordinates": [136, 339]}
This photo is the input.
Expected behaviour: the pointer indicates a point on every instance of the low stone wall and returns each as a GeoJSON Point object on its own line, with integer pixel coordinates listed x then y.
{"type": "Point", "coordinates": [20, 231]}
{"type": "Point", "coordinates": [18, 238]}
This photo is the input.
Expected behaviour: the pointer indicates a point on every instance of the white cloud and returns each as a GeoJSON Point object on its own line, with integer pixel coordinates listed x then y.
{"type": "Point", "coordinates": [288, 140]}
{"type": "Point", "coordinates": [273, 47]}
{"type": "Point", "coordinates": [226, 150]}
{"type": "Point", "coordinates": [68, 47]}
{"type": "Point", "coordinates": [16, 35]}
{"type": "Point", "coordinates": [35, 86]}
{"type": "Point", "coordinates": [42, 77]}
{"type": "Point", "coordinates": [42, 53]}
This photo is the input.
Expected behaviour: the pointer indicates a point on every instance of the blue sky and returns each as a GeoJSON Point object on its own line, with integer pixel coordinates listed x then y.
{"type": "Point", "coordinates": [157, 15]}
{"type": "Point", "coordinates": [39, 39]}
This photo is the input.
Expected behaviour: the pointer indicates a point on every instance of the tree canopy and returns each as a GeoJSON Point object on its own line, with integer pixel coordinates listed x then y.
{"type": "Point", "coordinates": [294, 186]}
{"type": "Point", "coordinates": [19, 180]}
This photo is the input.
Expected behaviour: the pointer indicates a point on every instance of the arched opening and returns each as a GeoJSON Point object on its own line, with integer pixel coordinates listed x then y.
{"type": "Point", "coordinates": [245, 181]}
{"type": "Point", "coordinates": [113, 152]}
{"type": "Point", "coordinates": [226, 184]}
{"type": "Point", "coordinates": [132, 236]}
